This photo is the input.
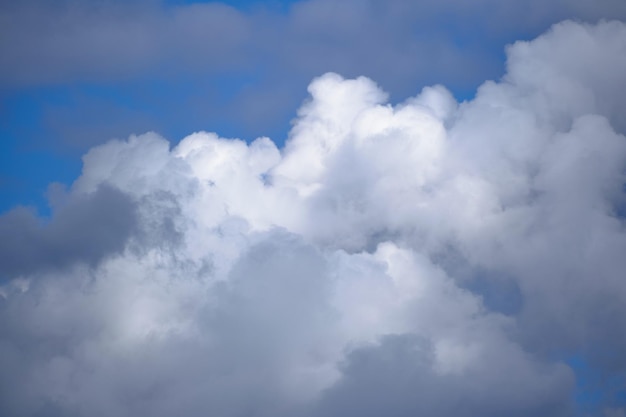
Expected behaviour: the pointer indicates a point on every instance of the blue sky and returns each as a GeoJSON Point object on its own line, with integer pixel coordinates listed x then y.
{"type": "Point", "coordinates": [79, 74]}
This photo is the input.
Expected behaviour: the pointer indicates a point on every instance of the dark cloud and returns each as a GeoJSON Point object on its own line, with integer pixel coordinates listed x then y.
{"type": "Point", "coordinates": [83, 40]}
{"type": "Point", "coordinates": [86, 228]}
{"type": "Point", "coordinates": [108, 41]}
{"type": "Point", "coordinates": [395, 377]}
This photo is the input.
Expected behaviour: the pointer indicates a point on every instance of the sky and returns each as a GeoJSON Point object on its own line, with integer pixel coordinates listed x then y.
{"type": "Point", "coordinates": [313, 208]}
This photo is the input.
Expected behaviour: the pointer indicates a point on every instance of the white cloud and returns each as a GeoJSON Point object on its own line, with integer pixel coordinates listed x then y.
{"type": "Point", "coordinates": [331, 277]}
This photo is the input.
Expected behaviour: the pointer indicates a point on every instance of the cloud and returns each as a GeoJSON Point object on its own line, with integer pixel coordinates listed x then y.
{"type": "Point", "coordinates": [114, 41]}
{"type": "Point", "coordinates": [53, 42]}
{"type": "Point", "coordinates": [397, 378]}
{"type": "Point", "coordinates": [86, 228]}
{"type": "Point", "coordinates": [352, 272]}
{"type": "Point", "coordinates": [103, 69]}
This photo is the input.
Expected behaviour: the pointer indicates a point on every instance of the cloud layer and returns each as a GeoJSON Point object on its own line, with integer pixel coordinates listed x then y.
{"type": "Point", "coordinates": [425, 258]}
{"type": "Point", "coordinates": [51, 42]}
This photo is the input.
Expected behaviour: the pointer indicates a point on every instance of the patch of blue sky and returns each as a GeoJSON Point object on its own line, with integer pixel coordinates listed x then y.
{"type": "Point", "coordinates": [27, 163]}
{"type": "Point", "coordinates": [595, 390]}
{"type": "Point", "coordinates": [44, 130]}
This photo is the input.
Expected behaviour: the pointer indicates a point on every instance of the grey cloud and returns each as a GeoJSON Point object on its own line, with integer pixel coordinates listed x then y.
{"type": "Point", "coordinates": [395, 377]}
{"type": "Point", "coordinates": [111, 41]}
{"type": "Point", "coordinates": [108, 40]}
{"type": "Point", "coordinates": [87, 228]}
{"type": "Point", "coordinates": [238, 357]}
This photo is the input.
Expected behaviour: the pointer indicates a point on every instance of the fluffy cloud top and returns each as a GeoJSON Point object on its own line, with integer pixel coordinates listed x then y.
{"type": "Point", "coordinates": [427, 258]}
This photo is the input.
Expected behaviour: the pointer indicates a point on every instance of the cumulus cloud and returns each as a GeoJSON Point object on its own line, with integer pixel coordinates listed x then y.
{"type": "Point", "coordinates": [352, 272]}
